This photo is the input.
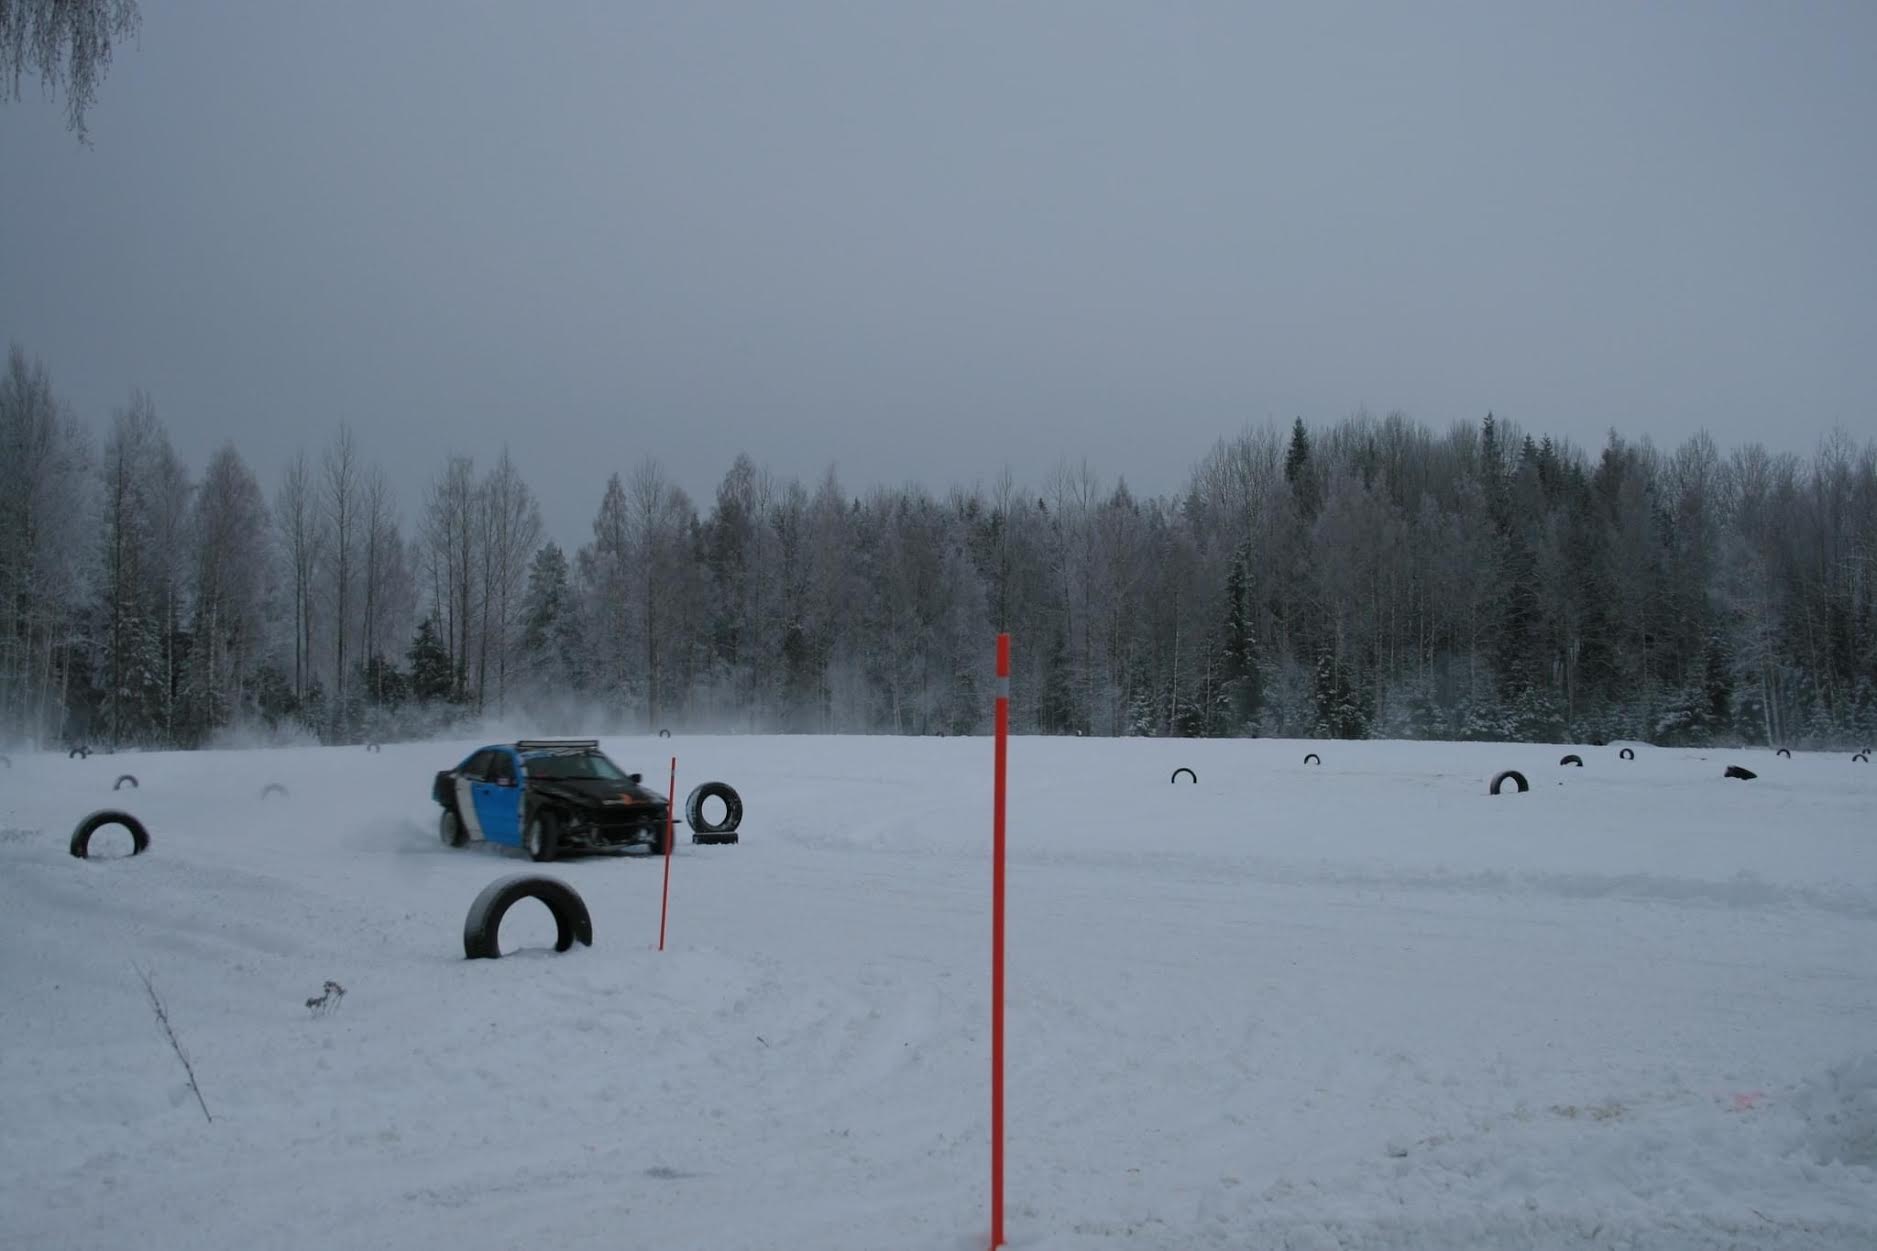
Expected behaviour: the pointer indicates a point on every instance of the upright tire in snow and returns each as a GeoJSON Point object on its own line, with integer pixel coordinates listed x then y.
{"type": "Point", "coordinates": [81, 837]}
{"type": "Point", "coordinates": [1572, 760]}
{"type": "Point", "coordinates": [1313, 758]}
{"type": "Point", "coordinates": [1784, 753]}
{"type": "Point", "coordinates": [664, 734]}
{"type": "Point", "coordinates": [78, 753]}
{"type": "Point", "coordinates": [128, 777]}
{"type": "Point", "coordinates": [1626, 754]}
{"type": "Point", "coordinates": [482, 927]}
{"type": "Point", "coordinates": [1515, 776]}
{"type": "Point", "coordinates": [273, 788]}
{"type": "Point", "coordinates": [1188, 772]}
{"type": "Point", "coordinates": [723, 831]}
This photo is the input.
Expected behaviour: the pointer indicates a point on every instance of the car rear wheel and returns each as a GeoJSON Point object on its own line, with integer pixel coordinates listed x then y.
{"type": "Point", "coordinates": [450, 829]}
{"type": "Point", "coordinates": [541, 840]}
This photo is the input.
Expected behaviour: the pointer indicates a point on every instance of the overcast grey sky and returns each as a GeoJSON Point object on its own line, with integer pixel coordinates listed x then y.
{"type": "Point", "coordinates": [924, 240]}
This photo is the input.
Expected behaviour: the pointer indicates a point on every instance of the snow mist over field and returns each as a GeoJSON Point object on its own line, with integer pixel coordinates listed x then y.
{"type": "Point", "coordinates": [1361, 1004]}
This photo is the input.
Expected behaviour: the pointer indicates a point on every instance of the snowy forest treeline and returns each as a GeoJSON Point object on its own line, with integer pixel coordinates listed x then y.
{"type": "Point", "coordinates": [1372, 578]}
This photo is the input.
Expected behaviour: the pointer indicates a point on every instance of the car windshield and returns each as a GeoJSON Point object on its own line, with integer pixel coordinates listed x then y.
{"type": "Point", "coordinates": [589, 764]}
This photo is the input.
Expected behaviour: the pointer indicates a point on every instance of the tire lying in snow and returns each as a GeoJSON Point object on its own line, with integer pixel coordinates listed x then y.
{"type": "Point", "coordinates": [723, 831]}
{"type": "Point", "coordinates": [1313, 758]}
{"type": "Point", "coordinates": [482, 927]}
{"type": "Point", "coordinates": [1188, 772]}
{"type": "Point", "coordinates": [81, 837]}
{"type": "Point", "coordinates": [1572, 760]}
{"type": "Point", "coordinates": [1510, 774]}
{"type": "Point", "coordinates": [1745, 775]}
{"type": "Point", "coordinates": [273, 788]}
{"type": "Point", "coordinates": [1783, 752]}
{"type": "Point", "coordinates": [128, 777]}
{"type": "Point", "coordinates": [1626, 754]}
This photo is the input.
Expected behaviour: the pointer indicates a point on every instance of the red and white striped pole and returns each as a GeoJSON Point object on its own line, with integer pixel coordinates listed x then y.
{"type": "Point", "coordinates": [997, 945]}
{"type": "Point", "coordinates": [671, 799]}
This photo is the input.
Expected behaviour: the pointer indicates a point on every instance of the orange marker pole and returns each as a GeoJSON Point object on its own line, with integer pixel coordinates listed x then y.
{"type": "Point", "coordinates": [664, 905]}
{"type": "Point", "coordinates": [997, 945]}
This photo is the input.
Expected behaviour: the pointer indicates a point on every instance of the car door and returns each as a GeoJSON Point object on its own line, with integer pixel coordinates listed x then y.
{"type": "Point", "coordinates": [472, 772]}
{"type": "Point", "coordinates": [498, 800]}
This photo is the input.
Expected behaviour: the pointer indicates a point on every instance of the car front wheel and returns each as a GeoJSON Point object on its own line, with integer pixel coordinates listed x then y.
{"type": "Point", "coordinates": [542, 838]}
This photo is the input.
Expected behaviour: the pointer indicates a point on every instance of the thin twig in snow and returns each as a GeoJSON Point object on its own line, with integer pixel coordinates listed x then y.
{"type": "Point", "coordinates": [162, 1018]}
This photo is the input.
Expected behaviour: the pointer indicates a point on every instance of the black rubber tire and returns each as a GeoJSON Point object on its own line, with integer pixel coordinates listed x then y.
{"type": "Point", "coordinates": [81, 837]}
{"type": "Point", "coordinates": [715, 840]}
{"type": "Point", "coordinates": [373, 747]}
{"type": "Point", "coordinates": [664, 734]}
{"type": "Point", "coordinates": [482, 927]}
{"type": "Point", "coordinates": [1188, 772]}
{"type": "Point", "coordinates": [1745, 775]}
{"type": "Point", "coordinates": [1500, 779]}
{"type": "Point", "coordinates": [128, 777]}
{"type": "Point", "coordinates": [78, 753]}
{"type": "Point", "coordinates": [732, 809]}
{"type": "Point", "coordinates": [1572, 760]}
{"type": "Point", "coordinates": [1784, 753]}
{"type": "Point", "coordinates": [545, 846]}
{"type": "Point", "coordinates": [1861, 758]}
{"type": "Point", "coordinates": [450, 829]}
{"type": "Point", "coordinates": [271, 787]}
{"type": "Point", "coordinates": [1626, 754]}
{"type": "Point", "coordinates": [1313, 756]}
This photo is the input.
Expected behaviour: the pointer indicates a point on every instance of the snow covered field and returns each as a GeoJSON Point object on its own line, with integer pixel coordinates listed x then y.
{"type": "Point", "coordinates": [1356, 1005]}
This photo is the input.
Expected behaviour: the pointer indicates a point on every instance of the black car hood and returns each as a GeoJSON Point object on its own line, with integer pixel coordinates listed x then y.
{"type": "Point", "coordinates": [595, 792]}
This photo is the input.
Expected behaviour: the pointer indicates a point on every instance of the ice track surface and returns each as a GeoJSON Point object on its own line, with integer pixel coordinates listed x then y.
{"type": "Point", "coordinates": [1361, 1005]}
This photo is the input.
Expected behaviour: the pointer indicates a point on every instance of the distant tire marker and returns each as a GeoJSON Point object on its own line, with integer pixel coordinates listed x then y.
{"type": "Point", "coordinates": [81, 837]}
{"type": "Point", "coordinates": [128, 777]}
{"type": "Point", "coordinates": [482, 927]}
{"type": "Point", "coordinates": [664, 734]}
{"type": "Point", "coordinates": [1626, 754]}
{"type": "Point", "coordinates": [373, 747]}
{"type": "Point", "coordinates": [273, 788]}
{"type": "Point", "coordinates": [1188, 772]}
{"type": "Point", "coordinates": [1313, 758]}
{"type": "Point", "coordinates": [1514, 775]}
{"type": "Point", "coordinates": [78, 753]}
{"type": "Point", "coordinates": [1572, 760]}
{"type": "Point", "coordinates": [1786, 754]}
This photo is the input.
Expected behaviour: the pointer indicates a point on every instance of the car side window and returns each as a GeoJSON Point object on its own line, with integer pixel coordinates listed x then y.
{"type": "Point", "coordinates": [477, 770]}
{"type": "Point", "coordinates": [502, 769]}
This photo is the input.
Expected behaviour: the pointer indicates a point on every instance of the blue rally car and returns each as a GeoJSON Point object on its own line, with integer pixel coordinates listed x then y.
{"type": "Point", "coordinates": [549, 796]}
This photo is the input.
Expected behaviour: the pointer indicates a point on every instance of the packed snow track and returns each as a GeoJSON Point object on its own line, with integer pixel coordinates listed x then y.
{"type": "Point", "coordinates": [1357, 1005]}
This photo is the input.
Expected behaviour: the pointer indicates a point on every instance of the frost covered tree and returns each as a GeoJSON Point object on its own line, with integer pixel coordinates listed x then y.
{"type": "Point", "coordinates": [63, 43]}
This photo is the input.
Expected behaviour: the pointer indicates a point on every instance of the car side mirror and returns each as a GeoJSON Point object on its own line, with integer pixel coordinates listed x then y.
{"type": "Point", "coordinates": [635, 778]}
